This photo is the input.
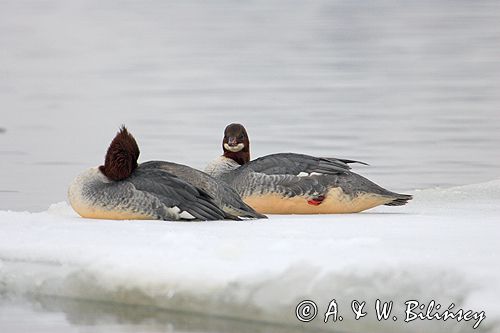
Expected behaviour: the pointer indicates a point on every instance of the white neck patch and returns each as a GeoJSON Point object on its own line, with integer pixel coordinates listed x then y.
{"type": "Point", "coordinates": [234, 149]}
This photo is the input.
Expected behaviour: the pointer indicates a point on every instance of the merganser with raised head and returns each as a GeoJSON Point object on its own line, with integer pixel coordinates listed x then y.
{"type": "Point", "coordinates": [122, 189]}
{"type": "Point", "coordinates": [289, 183]}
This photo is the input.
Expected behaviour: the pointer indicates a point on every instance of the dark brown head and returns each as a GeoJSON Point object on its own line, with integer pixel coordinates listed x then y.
{"type": "Point", "coordinates": [121, 157]}
{"type": "Point", "coordinates": [236, 144]}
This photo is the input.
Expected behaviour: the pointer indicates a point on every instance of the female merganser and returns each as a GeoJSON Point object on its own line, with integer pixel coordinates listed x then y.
{"type": "Point", "coordinates": [121, 189]}
{"type": "Point", "coordinates": [290, 183]}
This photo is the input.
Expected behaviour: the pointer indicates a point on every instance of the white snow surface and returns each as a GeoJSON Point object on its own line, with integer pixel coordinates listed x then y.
{"type": "Point", "coordinates": [442, 246]}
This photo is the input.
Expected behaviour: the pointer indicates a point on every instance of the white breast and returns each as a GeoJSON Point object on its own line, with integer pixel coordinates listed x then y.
{"type": "Point", "coordinates": [89, 176]}
{"type": "Point", "coordinates": [220, 166]}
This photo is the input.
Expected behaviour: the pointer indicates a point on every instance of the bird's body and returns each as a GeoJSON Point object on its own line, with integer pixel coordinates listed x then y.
{"type": "Point", "coordinates": [288, 183]}
{"type": "Point", "coordinates": [123, 189]}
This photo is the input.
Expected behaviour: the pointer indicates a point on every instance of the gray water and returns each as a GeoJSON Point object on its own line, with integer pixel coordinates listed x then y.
{"type": "Point", "coordinates": [411, 87]}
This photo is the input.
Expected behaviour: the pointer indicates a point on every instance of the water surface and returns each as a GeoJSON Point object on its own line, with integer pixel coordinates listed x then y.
{"type": "Point", "coordinates": [411, 88]}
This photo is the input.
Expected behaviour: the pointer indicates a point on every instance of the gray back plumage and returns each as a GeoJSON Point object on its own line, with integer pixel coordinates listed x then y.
{"type": "Point", "coordinates": [175, 192]}
{"type": "Point", "coordinates": [223, 195]}
{"type": "Point", "coordinates": [292, 174]}
{"type": "Point", "coordinates": [294, 164]}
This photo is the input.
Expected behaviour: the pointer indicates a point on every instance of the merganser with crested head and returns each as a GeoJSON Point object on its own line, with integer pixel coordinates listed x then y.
{"type": "Point", "coordinates": [289, 183]}
{"type": "Point", "coordinates": [122, 189]}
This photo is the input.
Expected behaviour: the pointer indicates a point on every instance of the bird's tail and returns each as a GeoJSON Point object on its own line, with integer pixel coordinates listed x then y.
{"type": "Point", "coordinates": [400, 200]}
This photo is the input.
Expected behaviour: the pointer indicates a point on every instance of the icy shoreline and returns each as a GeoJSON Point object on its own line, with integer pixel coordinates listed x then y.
{"type": "Point", "coordinates": [442, 246]}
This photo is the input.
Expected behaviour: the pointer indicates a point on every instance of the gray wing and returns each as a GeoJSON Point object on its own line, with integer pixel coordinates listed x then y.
{"type": "Point", "coordinates": [256, 183]}
{"type": "Point", "coordinates": [175, 192]}
{"type": "Point", "coordinates": [295, 164]}
{"type": "Point", "coordinates": [224, 196]}
{"type": "Point", "coordinates": [279, 173]}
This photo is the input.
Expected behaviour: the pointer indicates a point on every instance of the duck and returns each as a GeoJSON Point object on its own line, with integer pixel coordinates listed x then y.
{"type": "Point", "coordinates": [291, 183]}
{"type": "Point", "coordinates": [123, 189]}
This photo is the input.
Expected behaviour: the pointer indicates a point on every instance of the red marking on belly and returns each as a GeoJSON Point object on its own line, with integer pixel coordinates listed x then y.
{"type": "Point", "coordinates": [316, 201]}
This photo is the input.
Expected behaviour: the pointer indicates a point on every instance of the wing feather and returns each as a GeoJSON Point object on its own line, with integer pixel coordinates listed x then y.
{"type": "Point", "coordinates": [174, 192]}
{"type": "Point", "coordinates": [295, 164]}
